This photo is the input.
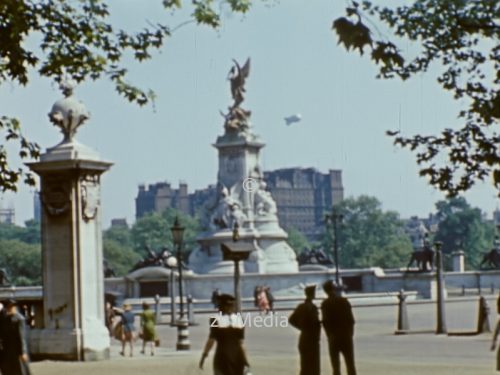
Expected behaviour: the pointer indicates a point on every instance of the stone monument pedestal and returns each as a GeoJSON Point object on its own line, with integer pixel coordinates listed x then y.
{"type": "Point", "coordinates": [73, 282]}
{"type": "Point", "coordinates": [242, 199]}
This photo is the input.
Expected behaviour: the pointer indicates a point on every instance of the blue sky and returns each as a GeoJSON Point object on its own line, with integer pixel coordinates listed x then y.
{"type": "Point", "coordinates": [297, 67]}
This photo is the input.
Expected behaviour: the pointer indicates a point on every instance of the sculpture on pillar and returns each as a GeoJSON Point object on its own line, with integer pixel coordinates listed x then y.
{"type": "Point", "coordinates": [241, 197]}
{"type": "Point", "coordinates": [314, 256]}
{"type": "Point", "coordinates": [73, 326]}
{"type": "Point", "coordinates": [236, 120]}
{"type": "Point", "coordinates": [107, 269]}
{"type": "Point", "coordinates": [423, 258]}
{"type": "Point", "coordinates": [68, 113]}
{"type": "Point", "coordinates": [492, 257]}
{"type": "Point", "coordinates": [155, 259]}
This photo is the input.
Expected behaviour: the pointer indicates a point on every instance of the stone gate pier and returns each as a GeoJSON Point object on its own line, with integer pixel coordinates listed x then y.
{"type": "Point", "coordinates": [72, 326]}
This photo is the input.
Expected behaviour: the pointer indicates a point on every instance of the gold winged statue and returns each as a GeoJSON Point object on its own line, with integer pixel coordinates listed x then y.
{"type": "Point", "coordinates": [237, 75]}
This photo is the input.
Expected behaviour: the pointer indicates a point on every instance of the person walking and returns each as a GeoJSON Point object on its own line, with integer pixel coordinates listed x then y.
{"type": "Point", "coordinates": [148, 329]}
{"type": "Point", "coordinates": [270, 297]}
{"type": "Point", "coordinates": [228, 332]}
{"type": "Point", "coordinates": [256, 291]}
{"type": "Point", "coordinates": [263, 301]}
{"type": "Point", "coordinates": [15, 360]}
{"type": "Point", "coordinates": [305, 318]}
{"type": "Point", "coordinates": [338, 323]}
{"type": "Point", "coordinates": [128, 329]}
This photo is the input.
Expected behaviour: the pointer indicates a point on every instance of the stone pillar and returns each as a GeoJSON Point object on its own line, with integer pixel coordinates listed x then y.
{"type": "Point", "coordinates": [458, 261]}
{"type": "Point", "coordinates": [73, 281]}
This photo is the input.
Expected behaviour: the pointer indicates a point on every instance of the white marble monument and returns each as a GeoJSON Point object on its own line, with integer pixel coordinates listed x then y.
{"type": "Point", "coordinates": [241, 198]}
{"type": "Point", "coordinates": [73, 287]}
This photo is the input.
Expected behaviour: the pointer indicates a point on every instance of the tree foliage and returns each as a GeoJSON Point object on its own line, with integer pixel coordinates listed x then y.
{"type": "Point", "coordinates": [297, 241]}
{"type": "Point", "coordinates": [462, 227]}
{"type": "Point", "coordinates": [462, 37]}
{"type": "Point", "coordinates": [75, 38]}
{"type": "Point", "coordinates": [154, 231]}
{"type": "Point", "coordinates": [29, 234]}
{"type": "Point", "coordinates": [119, 234]}
{"type": "Point", "coordinates": [369, 236]}
{"type": "Point", "coordinates": [120, 257]}
{"type": "Point", "coordinates": [22, 262]}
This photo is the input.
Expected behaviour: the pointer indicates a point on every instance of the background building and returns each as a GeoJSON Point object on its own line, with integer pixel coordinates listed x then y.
{"type": "Point", "coordinates": [7, 215]}
{"type": "Point", "coordinates": [302, 195]}
{"type": "Point", "coordinates": [37, 207]}
{"type": "Point", "coordinates": [158, 197]}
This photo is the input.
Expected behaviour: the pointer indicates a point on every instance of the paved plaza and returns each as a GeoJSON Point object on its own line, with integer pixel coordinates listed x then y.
{"type": "Point", "coordinates": [274, 350]}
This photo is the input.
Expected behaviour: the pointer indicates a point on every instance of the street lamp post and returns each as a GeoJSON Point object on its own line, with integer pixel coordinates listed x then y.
{"type": "Point", "coordinates": [237, 252]}
{"type": "Point", "coordinates": [182, 324]}
{"type": "Point", "coordinates": [172, 264]}
{"type": "Point", "coordinates": [441, 319]}
{"type": "Point", "coordinates": [237, 294]}
{"type": "Point", "coordinates": [335, 218]}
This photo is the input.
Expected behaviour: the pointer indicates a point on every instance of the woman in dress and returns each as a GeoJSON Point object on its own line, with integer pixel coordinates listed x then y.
{"type": "Point", "coordinates": [128, 329]}
{"type": "Point", "coordinates": [228, 332]}
{"type": "Point", "coordinates": [148, 329]}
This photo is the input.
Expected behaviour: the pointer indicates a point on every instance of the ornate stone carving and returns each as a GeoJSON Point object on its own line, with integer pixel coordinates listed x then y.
{"type": "Point", "coordinates": [265, 206]}
{"type": "Point", "coordinates": [68, 113]}
{"type": "Point", "coordinates": [227, 211]}
{"type": "Point", "coordinates": [56, 198]}
{"type": "Point", "coordinates": [90, 193]}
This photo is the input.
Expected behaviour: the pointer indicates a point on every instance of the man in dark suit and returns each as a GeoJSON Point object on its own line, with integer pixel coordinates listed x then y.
{"type": "Point", "coordinates": [15, 348]}
{"type": "Point", "coordinates": [338, 323]}
{"type": "Point", "coordinates": [305, 318]}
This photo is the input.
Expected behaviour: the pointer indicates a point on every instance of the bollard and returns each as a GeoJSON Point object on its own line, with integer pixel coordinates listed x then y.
{"type": "Point", "coordinates": [403, 324]}
{"type": "Point", "coordinates": [183, 334]}
{"type": "Point", "coordinates": [492, 289]}
{"type": "Point", "coordinates": [190, 308]}
{"type": "Point", "coordinates": [483, 321]}
{"type": "Point", "coordinates": [463, 290]}
{"type": "Point", "coordinates": [157, 309]}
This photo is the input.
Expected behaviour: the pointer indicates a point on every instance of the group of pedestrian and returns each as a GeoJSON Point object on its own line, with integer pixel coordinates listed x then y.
{"type": "Point", "coordinates": [14, 358]}
{"type": "Point", "coordinates": [338, 323]}
{"type": "Point", "coordinates": [124, 329]}
{"type": "Point", "coordinates": [263, 298]}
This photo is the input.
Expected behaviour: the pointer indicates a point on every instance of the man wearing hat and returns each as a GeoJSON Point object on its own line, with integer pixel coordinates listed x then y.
{"type": "Point", "coordinates": [306, 319]}
{"type": "Point", "coordinates": [15, 353]}
{"type": "Point", "coordinates": [338, 323]}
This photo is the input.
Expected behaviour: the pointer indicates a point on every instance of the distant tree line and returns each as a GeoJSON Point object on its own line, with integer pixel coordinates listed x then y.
{"type": "Point", "coordinates": [368, 237]}
{"type": "Point", "coordinates": [123, 247]}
